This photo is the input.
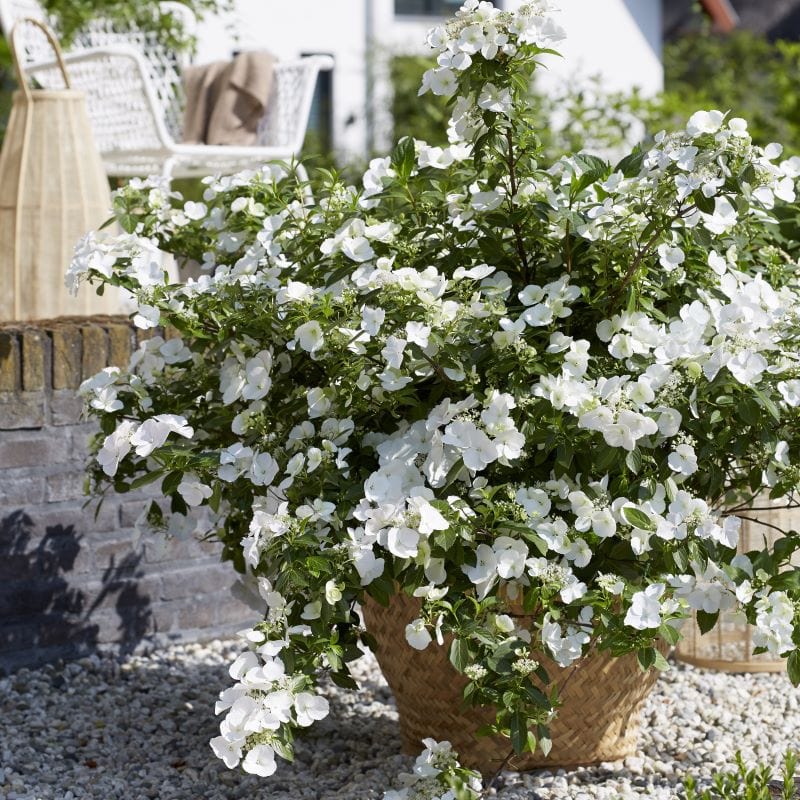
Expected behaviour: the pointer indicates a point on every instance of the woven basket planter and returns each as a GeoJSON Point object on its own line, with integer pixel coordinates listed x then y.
{"type": "Point", "coordinates": [598, 721]}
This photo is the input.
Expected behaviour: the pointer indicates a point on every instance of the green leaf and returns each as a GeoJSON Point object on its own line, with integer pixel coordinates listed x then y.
{"type": "Point", "coordinates": [631, 165]}
{"type": "Point", "coordinates": [788, 581]}
{"type": "Point", "coordinates": [344, 680]}
{"type": "Point", "coordinates": [381, 589]}
{"type": "Point", "coordinates": [334, 656]}
{"type": "Point", "coordinates": [446, 538]}
{"type": "Point", "coordinates": [638, 518]}
{"type": "Point", "coordinates": [749, 411]}
{"type": "Point", "coordinates": [459, 654]}
{"type": "Point", "coordinates": [634, 461]}
{"type": "Point", "coordinates": [537, 696]}
{"type": "Point", "coordinates": [283, 749]}
{"type": "Point", "coordinates": [518, 727]}
{"type": "Point", "coordinates": [316, 565]}
{"type": "Point", "coordinates": [216, 497]}
{"type": "Point", "coordinates": [669, 634]}
{"type": "Point", "coordinates": [680, 557]}
{"type": "Point", "coordinates": [706, 621]}
{"type": "Point", "coordinates": [793, 667]}
{"type": "Point", "coordinates": [590, 163]}
{"type": "Point", "coordinates": [452, 474]}
{"type": "Point", "coordinates": [646, 656]}
{"type": "Point", "coordinates": [661, 663]}
{"type": "Point", "coordinates": [594, 169]}
{"type": "Point", "coordinates": [404, 157]}
{"type": "Point", "coordinates": [128, 222]}
{"type": "Point", "coordinates": [703, 203]}
{"type": "Point", "coordinates": [143, 480]}
{"type": "Point", "coordinates": [545, 742]}
{"type": "Point", "coordinates": [170, 484]}
{"type": "Point", "coordinates": [771, 408]}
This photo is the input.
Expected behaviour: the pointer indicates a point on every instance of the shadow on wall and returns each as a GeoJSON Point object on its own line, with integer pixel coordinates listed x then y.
{"type": "Point", "coordinates": [42, 617]}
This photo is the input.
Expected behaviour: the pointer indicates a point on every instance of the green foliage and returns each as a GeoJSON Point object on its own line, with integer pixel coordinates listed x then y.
{"type": "Point", "coordinates": [743, 73]}
{"type": "Point", "coordinates": [422, 117]}
{"type": "Point", "coordinates": [566, 119]}
{"type": "Point", "coordinates": [71, 16]}
{"type": "Point", "coordinates": [745, 783]}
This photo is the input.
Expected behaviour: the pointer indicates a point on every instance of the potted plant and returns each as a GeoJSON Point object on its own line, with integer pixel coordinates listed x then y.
{"type": "Point", "coordinates": [513, 401]}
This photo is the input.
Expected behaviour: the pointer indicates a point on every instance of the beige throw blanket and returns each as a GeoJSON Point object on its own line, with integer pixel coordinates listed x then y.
{"type": "Point", "coordinates": [226, 99]}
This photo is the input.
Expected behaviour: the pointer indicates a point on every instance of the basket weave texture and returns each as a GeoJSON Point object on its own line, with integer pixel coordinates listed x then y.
{"type": "Point", "coordinates": [598, 721]}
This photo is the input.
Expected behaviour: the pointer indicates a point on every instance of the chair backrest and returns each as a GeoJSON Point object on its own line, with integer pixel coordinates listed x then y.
{"type": "Point", "coordinates": [134, 90]}
{"type": "Point", "coordinates": [163, 66]}
{"type": "Point", "coordinates": [286, 118]}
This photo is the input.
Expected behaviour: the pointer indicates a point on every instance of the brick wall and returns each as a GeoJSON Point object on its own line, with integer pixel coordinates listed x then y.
{"type": "Point", "coordinates": [71, 578]}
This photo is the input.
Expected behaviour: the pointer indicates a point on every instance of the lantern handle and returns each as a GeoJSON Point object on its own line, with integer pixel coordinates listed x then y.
{"type": "Point", "coordinates": [22, 78]}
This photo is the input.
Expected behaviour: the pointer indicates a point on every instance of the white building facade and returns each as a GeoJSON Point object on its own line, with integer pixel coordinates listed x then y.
{"type": "Point", "coordinates": [619, 40]}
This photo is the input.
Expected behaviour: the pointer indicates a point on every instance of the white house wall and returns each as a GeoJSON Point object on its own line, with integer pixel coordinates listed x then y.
{"type": "Point", "coordinates": [289, 29]}
{"type": "Point", "coordinates": [620, 40]}
{"type": "Point", "coordinates": [617, 39]}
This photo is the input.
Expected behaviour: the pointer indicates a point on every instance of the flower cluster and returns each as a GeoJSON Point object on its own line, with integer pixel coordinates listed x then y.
{"type": "Point", "coordinates": [437, 775]}
{"type": "Point", "coordinates": [539, 398]}
{"type": "Point", "coordinates": [265, 700]}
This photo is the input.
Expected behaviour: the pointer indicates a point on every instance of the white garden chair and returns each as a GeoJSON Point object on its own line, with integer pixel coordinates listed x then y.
{"type": "Point", "coordinates": [135, 99]}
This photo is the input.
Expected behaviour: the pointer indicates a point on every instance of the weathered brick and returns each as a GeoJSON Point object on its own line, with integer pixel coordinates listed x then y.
{"type": "Point", "coordinates": [9, 361]}
{"type": "Point", "coordinates": [22, 410]}
{"type": "Point", "coordinates": [111, 550]}
{"type": "Point", "coordinates": [66, 357]}
{"type": "Point", "coordinates": [21, 491]}
{"type": "Point", "coordinates": [194, 614]}
{"type": "Point", "coordinates": [231, 614]}
{"type": "Point", "coordinates": [203, 580]}
{"type": "Point", "coordinates": [65, 486]}
{"type": "Point", "coordinates": [105, 593]}
{"type": "Point", "coordinates": [78, 517]}
{"type": "Point", "coordinates": [38, 450]}
{"type": "Point", "coordinates": [66, 407]}
{"type": "Point", "coordinates": [126, 625]}
{"type": "Point", "coordinates": [34, 356]}
{"type": "Point", "coordinates": [159, 549]}
{"type": "Point", "coordinates": [81, 437]}
{"type": "Point", "coordinates": [95, 350]}
{"type": "Point", "coordinates": [120, 339]}
{"type": "Point", "coordinates": [144, 335]}
{"type": "Point", "coordinates": [131, 509]}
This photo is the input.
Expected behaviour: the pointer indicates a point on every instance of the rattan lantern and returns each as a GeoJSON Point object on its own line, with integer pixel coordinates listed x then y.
{"type": "Point", "coordinates": [53, 189]}
{"type": "Point", "coordinates": [729, 646]}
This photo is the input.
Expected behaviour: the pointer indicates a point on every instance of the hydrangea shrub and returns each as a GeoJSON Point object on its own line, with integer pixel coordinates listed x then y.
{"type": "Point", "coordinates": [538, 397]}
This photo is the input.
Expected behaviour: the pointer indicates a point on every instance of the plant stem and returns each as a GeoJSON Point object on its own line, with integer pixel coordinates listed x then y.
{"type": "Point", "coordinates": [498, 772]}
{"type": "Point", "coordinates": [643, 251]}
{"type": "Point", "coordinates": [765, 524]}
{"type": "Point", "coordinates": [512, 176]}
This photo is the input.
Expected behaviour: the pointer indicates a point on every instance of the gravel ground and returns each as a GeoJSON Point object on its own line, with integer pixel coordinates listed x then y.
{"type": "Point", "coordinates": [139, 730]}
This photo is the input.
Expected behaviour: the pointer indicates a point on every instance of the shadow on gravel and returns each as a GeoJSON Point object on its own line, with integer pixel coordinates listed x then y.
{"type": "Point", "coordinates": [140, 729]}
{"type": "Point", "coordinates": [44, 616]}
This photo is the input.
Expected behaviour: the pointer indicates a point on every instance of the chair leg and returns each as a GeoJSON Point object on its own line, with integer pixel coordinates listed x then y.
{"type": "Point", "coordinates": [166, 170]}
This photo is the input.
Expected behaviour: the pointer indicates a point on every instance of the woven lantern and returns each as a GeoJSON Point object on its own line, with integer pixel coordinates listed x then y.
{"type": "Point", "coordinates": [729, 646]}
{"type": "Point", "coordinates": [53, 189]}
